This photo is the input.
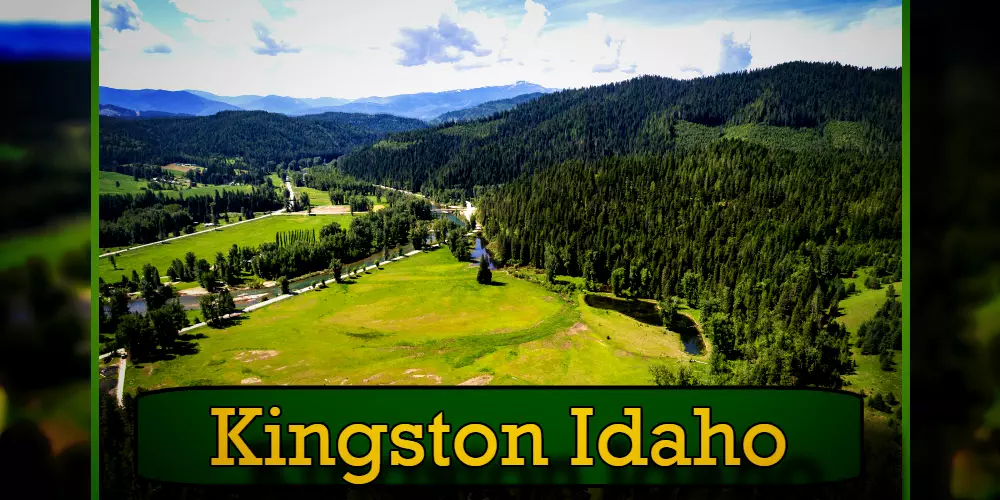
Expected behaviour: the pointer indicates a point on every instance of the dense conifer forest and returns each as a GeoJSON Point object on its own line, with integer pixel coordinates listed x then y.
{"type": "Point", "coordinates": [750, 195]}
{"type": "Point", "coordinates": [643, 115]}
{"type": "Point", "coordinates": [255, 136]}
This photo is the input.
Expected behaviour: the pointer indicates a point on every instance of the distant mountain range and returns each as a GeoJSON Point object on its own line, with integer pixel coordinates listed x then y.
{"type": "Point", "coordinates": [169, 101]}
{"type": "Point", "coordinates": [425, 106]}
{"type": "Point", "coordinates": [120, 112]}
{"type": "Point", "coordinates": [486, 109]}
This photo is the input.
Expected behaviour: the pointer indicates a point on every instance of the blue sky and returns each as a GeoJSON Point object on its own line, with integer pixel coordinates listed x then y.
{"type": "Point", "coordinates": [344, 48]}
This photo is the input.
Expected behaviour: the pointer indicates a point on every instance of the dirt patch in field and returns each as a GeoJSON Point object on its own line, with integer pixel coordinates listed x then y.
{"type": "Point", "coordinates": [411, 370]}
{"type": "Point", "coordinates": [373, 377]}
{"type": "Point", "coordinates": [332, 210]}
{"type": "Point", "coordinates": [248, 298]}
{"type": "Point", "coordinates": [249, 356]}
{"type": "Point", "coordinates": [269, 284]}
{"type": "Point", "coordinates": [251, 380]}
{"type": "Point", "coordinates": [196, 291]}
{"type": "Point", "coordinates": [435, 378]}
{"type": "Point", "coordinates": [622, 354]}
{"type": "Point", "coordinates": [480, 380]}
{"type": "Point", "coordinates": [577, 328]}
{"type": "Point", "coordinates": [181, 168]}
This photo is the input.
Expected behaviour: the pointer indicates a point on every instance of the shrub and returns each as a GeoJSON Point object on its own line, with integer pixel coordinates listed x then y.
{"type": "Point", "coordinates": [890, 399]}
{"type": "Point", "coordinates": [877, 403]}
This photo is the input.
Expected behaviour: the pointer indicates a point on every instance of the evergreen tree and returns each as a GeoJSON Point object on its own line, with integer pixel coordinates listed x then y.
{"type": "Point", "coordinates": [484, 276]}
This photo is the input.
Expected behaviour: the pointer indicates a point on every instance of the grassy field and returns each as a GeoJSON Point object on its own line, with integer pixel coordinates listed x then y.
{"type": "Point", "coordinates": [49, 243]}
{"type": "Point", "coordinates": [423, 320]}
{"type": "Point", "coordinates": [317, 198]}
{"type": "Point", "coordinates": [180, 170]}
{"type": "Point", "coordinates": [856, 309]}
{"type": "Point", "coordinates": [125, 185]}
{"type": "Point", "coordinates": [220, 240]}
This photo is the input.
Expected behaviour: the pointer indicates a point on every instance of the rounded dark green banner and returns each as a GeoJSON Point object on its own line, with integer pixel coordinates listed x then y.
{"type": "Point", "coordinates": [499, 436]}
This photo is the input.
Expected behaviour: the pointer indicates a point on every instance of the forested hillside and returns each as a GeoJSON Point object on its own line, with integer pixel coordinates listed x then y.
{"type": "Point", "coordinates": [256, 136]}
{"type": "Point", "coordinates": [748, 196]}
{"type": "Point", "coordinates": [757, 238]}
{"type": "Point", "coordinates": [643, 115]}
{"type": "Point", "coordinates": [486, 109]}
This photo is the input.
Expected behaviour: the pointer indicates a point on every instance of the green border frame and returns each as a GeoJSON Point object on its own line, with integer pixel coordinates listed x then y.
{"type": "Point", "coordinates": [95, 295]}
{"type": "Point", "coordinates": [906, 250]}
{"type": "Point", "coordinates": [95, 234]}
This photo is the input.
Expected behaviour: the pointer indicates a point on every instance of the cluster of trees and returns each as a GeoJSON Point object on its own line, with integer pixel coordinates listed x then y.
{"type": "Point", "coordinates": [285, 238]}
{"type": "Point", "coordinates": [256, 137]}
{"type": "Point", "coordinates": [226, 269]}
{"type": "Point", "coordinates": [754, 237]}
{"type": "Point", "coordinates": [883, 402]}
{"type": "Point", "coordinates": [143, 335]}
{"type": "Point", "coordinates": [128, 219]}
{"type": "Point", "coordinates": [217, 306]}
{"type": "Point", "coordinates": [372, 232]}
{"type": "Point", "coordinates": [633, 117]}
{"type": "Point", "coordinates": [883, 333]}
{"type": "Point", "coordinates": [342, 188]}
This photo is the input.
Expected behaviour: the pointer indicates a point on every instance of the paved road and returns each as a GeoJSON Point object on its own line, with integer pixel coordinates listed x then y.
{"type": "Point", "coordinates": [121, 379]}
{"type": "Point", "coordinates": [291, 192]}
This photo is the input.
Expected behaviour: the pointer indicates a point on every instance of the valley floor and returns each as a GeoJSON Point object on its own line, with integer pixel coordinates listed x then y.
{"type": "Point", "coordinates": [423, 320]}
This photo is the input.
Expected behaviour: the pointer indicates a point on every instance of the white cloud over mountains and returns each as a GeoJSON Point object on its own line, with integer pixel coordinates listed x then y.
{"type": "Point", "coordinates": [383, 47]}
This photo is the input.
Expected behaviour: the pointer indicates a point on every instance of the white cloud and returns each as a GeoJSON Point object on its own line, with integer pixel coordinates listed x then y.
{"type": "Point", "coordinates": [354, 49]}
{"type": "Point", "coordinates": [124, 31]}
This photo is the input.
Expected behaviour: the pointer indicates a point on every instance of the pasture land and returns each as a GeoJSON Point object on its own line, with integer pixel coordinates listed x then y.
{"type": "Point", "coordinates": [219, 240]}
{"type": "Point", "coordinates": [869, 375]}
{"type": "Point", "coordinates": [180, 170]}
{"type": "Point", "coordinates": [317, 198]}
{"type": "Point", "coordinates": [424, 320]}
{"type": "Point", "coordinates": [116, 183]}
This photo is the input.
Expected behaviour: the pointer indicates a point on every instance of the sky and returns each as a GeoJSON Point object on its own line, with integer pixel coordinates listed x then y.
{"type": "Point", "coordinates": [45, 29]}
{"type": "Point", "coordinates": [351, 49]}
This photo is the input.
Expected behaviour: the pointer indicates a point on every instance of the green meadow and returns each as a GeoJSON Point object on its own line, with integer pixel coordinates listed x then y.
{"type": "Point", "coordinates": [424, 320]}
{"type": "Point", "coordinates": [207, 243]}
{"type": "Point", "coordinates": [317, 198]}
{"type": "Point", "coordinates": [116, 183]}
{"type": "Point", "coordinates": [869, 375]}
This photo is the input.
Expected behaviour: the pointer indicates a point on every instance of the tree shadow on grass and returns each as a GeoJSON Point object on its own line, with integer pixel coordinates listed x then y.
{"type": "Point", "coordinates": [838, 312]}
{"type": "Point", "coordinates": [638, 310]}
{"type": "Point", "coordinates": [497, 283]}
